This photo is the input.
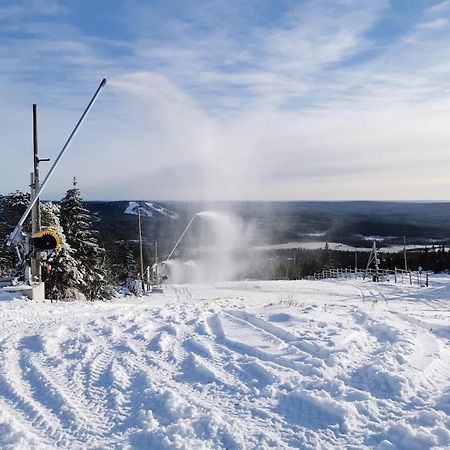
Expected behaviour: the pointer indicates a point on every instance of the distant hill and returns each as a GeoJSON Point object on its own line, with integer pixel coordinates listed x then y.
{"type": "Point", "coordinates": [149, 209]}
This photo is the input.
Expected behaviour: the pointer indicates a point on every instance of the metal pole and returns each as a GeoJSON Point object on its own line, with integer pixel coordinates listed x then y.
{"type": "Point", "coordinates": [156, 264]}
{"type": "Point", "coordinates": [141, 247]}
{"type": "Point", "coordinates": [13, 236]}
{"type": "Point", "coordinates": [28, 262]}
{"type": "Point", "coordinates": [35, 212]}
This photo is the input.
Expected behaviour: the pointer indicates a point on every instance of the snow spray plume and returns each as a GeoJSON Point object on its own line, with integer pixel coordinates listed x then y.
{"type": "Point", "coordinates": [205, 160]}
{"type": "Point", "coordinates": [216, 244]}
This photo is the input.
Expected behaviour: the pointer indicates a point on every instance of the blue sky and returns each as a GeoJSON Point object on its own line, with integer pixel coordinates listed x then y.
{"type": "Point", "coordinates": [332, 99]}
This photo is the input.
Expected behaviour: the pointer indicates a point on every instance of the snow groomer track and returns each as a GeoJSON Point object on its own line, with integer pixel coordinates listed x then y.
{"type": "Point", "coordinates": [300, 364]}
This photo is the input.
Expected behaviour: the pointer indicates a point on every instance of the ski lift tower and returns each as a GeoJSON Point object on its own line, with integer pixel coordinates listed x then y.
{"type": "Point", "coordinates": [29, 247]}
{"type": "Point", "coordinates": [373, 258]}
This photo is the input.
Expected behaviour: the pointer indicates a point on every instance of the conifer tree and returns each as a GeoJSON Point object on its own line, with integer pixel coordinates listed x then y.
{"type": "Point", "coordinates": [7, 256]}
{"type": "Point", "coordinates": [12, 207]}
{"type": "Point", "coordinates": [65, 279]}
{"type": "Point", "coordinates": [126, 270]}
{"type": "Point", "coordinates": [82, 238]}
{"type": "Point", "coordinates": [130, 268]}
{"type": "Point", "coordinates": [326, 256]}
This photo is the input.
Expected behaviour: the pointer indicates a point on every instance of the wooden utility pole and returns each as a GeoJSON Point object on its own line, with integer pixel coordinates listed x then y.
{"type": "Point", "coordinates": [141, 250]}
{"type": "Point", "coordinates": [35, 212]}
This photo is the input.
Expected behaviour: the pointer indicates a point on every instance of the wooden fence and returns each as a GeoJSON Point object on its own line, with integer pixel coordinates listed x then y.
{"type": "Point", "coordinates": [419, 278]}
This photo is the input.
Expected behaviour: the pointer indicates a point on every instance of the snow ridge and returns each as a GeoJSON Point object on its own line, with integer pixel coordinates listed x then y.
{"type": "Point", "coordinates": [149, 209]}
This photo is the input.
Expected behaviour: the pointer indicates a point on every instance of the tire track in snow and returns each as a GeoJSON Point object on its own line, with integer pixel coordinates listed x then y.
{"type": "Point", "coordinates": [234, 409]}
{"type": "Point", "coordinates": [267, 349]}
{"type": "Point", "coordinates": [19, 394]}
{"type": "Point", "coordinates": [430, 360]}
{"type": "Point", "coordinates": [205, 400]}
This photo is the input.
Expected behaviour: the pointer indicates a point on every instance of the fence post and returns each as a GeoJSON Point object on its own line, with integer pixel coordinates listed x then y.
{"type": "Point", "coordinates": [410, 278]}
{"type": "Point", "coordinates": [395, 275]}
{"type": "Point", "coordinates": [426, 279]}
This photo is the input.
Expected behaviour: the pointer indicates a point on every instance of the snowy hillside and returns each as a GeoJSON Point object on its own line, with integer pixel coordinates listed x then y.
{"type": "Point", "coordinates": [149, 209]}
{"type": "Point", "coordinates": [300, 364]}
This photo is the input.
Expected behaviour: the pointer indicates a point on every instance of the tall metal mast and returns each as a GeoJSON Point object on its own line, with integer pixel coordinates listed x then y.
{"type": "Point", "coordinates": [36, 211]}
{"type": "Point", "coordinates": [15, 235]}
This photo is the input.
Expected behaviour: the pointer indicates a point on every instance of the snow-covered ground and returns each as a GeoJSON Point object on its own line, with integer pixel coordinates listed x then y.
{"type": "Point", "coordinates": [300, 364]}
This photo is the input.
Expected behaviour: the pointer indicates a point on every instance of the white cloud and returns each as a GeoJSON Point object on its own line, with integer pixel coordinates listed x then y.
{"type": "Point", "coordinates": [440, 7]}
{"type": "Point", "coordinates": [434, 24]}
{"type": "Point", "coordinates": [19, 9]}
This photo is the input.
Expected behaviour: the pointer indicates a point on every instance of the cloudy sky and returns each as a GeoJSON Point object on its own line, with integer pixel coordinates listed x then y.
{"type": "Point", "coordinates": [257, 99]}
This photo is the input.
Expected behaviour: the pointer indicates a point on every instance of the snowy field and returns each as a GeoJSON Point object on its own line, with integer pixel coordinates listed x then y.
{"type": "Point", "coordinates": [288, 364]}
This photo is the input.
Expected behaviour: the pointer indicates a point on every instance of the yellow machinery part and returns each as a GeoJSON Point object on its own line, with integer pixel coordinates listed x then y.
{"type": "Point", "coordinates": [49, 233]}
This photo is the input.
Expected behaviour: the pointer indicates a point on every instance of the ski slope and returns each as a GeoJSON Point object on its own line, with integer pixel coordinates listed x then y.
{"type": "Point", "coordinates": [241, 365]}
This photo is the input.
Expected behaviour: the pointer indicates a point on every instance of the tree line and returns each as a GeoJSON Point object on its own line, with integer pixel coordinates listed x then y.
{"type": "Point", "coordinates": [300, 263]}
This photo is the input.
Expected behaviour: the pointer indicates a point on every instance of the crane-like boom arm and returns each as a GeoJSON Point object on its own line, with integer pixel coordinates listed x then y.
{"type": "Point", "coordinates": [15, 235]}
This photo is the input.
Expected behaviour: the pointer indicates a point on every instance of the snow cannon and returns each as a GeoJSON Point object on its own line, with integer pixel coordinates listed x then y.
{"type": "Point", "coordinates": [28, 247]}
{"type": "Point", "coordinates": [46, 240]}
{"type": "Point", "coordinates": [15, 237]}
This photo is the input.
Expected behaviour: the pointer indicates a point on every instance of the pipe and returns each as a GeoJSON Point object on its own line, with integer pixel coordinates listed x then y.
{"type": "Point", "coordinates": [14, 235]}
{"type": "Point", "coordinates": [179, 240]}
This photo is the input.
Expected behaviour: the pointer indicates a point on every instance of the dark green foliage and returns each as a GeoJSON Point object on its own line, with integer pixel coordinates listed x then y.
{"type": "Point", "coordinates": [123, 262]}
{"type": "Point", "coordinates": [83, 240]}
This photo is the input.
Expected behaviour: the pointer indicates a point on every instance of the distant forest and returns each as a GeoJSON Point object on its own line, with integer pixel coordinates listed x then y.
{"type": "Point", "coordinates": [351, 223]}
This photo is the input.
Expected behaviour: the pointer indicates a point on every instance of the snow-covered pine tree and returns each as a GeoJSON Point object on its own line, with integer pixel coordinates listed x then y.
{"type": "Point", "coordinates": [82, 238]}
{"type": "Point", "coordinates": [5, 263]}
{"type": "Point", "coordinates": [7, 256]}
{"type": "Point", "coordinates": [12, 207]}
{"type": "Point", "coordinates": [66, 278]}
{"type": "Point", "coordinates": [127, 270]}
{"type": "Point", "coordinates": [130, 267]}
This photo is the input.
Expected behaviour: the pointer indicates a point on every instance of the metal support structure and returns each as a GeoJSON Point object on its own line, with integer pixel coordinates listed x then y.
{"type": "Point", "coordinates": [373, 257]}
{"type": "Point", "coordinates": [15, 235]}
{"type": "Point", "coordinates": [141, 249]}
